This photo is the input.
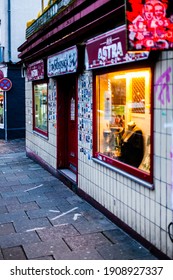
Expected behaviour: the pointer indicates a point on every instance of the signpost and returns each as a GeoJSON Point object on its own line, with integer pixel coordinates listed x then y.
{"type": "Point", "coordinates": [5, 85]}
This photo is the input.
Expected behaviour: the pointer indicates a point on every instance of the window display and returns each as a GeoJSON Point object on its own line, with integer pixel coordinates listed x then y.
{"type": "Point", "coordinates": [123, 112]}
{"type": "Point", "coordinates": [40, 108]}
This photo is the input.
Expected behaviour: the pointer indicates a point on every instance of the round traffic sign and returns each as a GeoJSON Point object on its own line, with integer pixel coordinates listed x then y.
{"type": "Point", "coordinates": [5, 84]}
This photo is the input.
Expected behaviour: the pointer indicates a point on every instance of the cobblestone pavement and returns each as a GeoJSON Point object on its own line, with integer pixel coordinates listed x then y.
{"type": "Point", "coordinates": [41, 218]}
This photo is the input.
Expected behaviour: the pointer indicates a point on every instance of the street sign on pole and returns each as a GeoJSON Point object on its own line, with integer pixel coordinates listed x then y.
{"type": "Point", "coordinates": [5, 115]}
{"type": "Point", "coordinates": [5, 84]}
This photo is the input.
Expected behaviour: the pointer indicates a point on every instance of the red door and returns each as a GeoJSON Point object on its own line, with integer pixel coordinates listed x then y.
{"type": "Point", "coordinates": [72, 127]}
{"type": "Point", "coordinates": [67, 123]}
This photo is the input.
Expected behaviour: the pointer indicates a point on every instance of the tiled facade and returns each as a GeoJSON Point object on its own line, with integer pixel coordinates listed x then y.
{"type": "Point", "coordinates": [44, 147]}
{"type": "Point", "coordinates": [146, 208]}
{"type": "Point", "coordinates": [146, 211]}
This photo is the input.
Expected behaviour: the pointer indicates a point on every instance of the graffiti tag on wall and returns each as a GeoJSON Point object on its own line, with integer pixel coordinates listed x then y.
{"type": "Point", "coordinates": [165, 97]}
{"type": "Point", "coordinates": [163, 81]}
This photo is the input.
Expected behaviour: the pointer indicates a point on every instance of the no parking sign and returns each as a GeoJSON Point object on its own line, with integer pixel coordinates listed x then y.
{"type": "Point", "coordinates": [5, 84]}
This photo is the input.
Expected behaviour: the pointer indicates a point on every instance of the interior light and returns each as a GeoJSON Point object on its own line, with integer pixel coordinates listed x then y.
{"type": "Point", "coordinates": [117, 77]}
{"type": "Point", "coordinates": [134, 74]}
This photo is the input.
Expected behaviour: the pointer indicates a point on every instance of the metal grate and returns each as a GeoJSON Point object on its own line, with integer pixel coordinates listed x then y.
{"type": "Point", "coordinates": [138, 95]}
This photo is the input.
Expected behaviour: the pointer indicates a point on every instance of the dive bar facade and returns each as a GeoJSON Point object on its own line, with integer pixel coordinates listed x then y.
{"type": "Point", "coordinates": [99, 117]}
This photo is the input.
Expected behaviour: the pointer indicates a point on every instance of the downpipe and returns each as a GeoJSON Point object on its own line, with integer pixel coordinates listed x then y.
{"type": "Point", "coordinates": [9, 30]}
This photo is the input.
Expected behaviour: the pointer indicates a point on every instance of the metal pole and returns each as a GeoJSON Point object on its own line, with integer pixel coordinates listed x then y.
{"type": "Point", "coordinates": [9, 30]}
{"type": "Point", "coordinates": [42, 5]}
{"type": "Point", "coordinates": [5, 117]}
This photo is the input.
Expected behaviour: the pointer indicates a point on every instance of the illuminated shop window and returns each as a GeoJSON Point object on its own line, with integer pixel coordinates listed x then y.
{"type": "Point", "coordinates": [123, 114]}
{"type": "Point", "coordinates": [1, 109]}
{"type": "Point", "coordinates": [40, 108]}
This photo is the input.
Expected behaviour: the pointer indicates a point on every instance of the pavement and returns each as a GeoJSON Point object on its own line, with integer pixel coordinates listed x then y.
{"type": "Point", "coordinates": [42, 219]}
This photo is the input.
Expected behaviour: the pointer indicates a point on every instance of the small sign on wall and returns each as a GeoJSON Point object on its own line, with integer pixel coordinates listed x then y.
{"type": "Point", "coordinates": [107, 105]}
{"type": "Point", "coordinates": [72, 110]}
{"type": "Point", "coordinates": [35, 71]}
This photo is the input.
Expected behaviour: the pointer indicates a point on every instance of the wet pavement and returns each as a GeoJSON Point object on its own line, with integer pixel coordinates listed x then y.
{"type": "Point", "coordinates": [41, 218]}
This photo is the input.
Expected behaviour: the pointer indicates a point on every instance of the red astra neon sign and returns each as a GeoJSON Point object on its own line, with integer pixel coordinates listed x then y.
{"type": "Point", "coordinates": [149, 24]}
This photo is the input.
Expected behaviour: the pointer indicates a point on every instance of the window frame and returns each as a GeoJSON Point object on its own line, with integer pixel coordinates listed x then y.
{"type": "Point", "coordinates": [142, 175]}
{"type": "Point", "coordinates": [35, 128]}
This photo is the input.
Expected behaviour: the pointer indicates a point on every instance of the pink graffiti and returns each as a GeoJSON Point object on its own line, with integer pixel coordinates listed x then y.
{"type": "Point", "coordinates": [163, 81]}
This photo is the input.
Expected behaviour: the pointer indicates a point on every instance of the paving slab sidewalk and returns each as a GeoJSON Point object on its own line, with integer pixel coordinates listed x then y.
{"type": "Point", "coordinates": [42, 219]}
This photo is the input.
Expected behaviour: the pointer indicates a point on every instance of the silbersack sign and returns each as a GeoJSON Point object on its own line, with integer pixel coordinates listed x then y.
{"type": "Point", "coordinates": [110, 49]}
{"type": "Point", "coordinates": [63, 62]}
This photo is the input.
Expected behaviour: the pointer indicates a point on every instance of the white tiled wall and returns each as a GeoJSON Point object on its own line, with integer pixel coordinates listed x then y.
{"type": "Point", "coordinates": [44, 147]}
{"type": "Point", "coordinates": [147, 211]}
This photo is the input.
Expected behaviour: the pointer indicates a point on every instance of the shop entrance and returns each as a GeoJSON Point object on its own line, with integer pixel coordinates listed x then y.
{"type": "Point", "coordinates": [67, 123]}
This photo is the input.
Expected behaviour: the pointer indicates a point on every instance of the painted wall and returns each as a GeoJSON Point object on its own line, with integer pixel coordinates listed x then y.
{"type": "Point", "coordinates": [16, 104]}
{"type": "Point", "coordinates": [21, 12]}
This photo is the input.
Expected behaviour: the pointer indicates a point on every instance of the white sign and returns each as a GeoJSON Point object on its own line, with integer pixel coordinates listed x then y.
{"type": "Point", "coordinates": [63, 62]}
{"type": "Point", "coordinates": [107, 105]}
{"type": "Point", "coordinates": [3, 68]}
